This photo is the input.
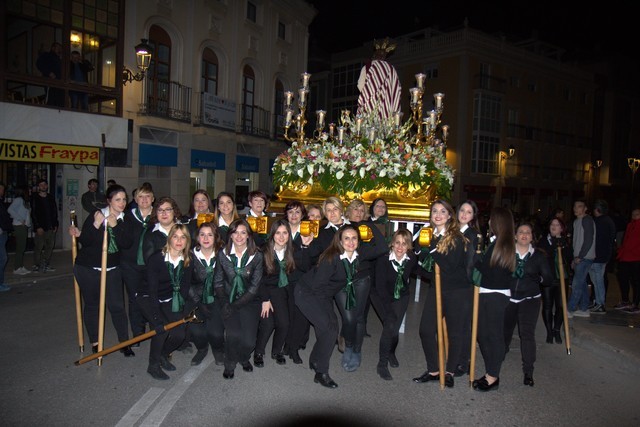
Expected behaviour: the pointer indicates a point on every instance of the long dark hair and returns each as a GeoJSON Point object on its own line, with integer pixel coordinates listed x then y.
{"type": "Point", "coordinates": [451, 229]}
{"type": "Point", "coordinates": [504, 251]}
{"type": "Point", "coordinates": [270, 259]}
{"type": "Point", "coordinates": [335, 248]}
{"type": "Point", "coordinates": [474, 207]}
{"type": "Point", "coordinates": [192, 210]}
{"type": "Point", "coordinates": [217, 241]}
{"type": "Point", "coordinates": [251, 244]}
{"type": "Point", "coordinates": [216, 212]}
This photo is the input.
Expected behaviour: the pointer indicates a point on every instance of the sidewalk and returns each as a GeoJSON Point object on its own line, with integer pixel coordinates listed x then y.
{"type": "Point", "coordinates": [612, 335]}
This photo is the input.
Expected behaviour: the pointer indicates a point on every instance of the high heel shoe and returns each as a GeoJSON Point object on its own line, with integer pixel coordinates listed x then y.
{"type": "Point", "coordinates": [127, 351]}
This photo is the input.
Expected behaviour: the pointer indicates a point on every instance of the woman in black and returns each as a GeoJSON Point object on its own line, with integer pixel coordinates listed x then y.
{"type": "Point", "coordinates": [393, 273]}
{"type": "Point", "coordinates": [552, 315]}
{"type": "Point", "coordinates": [211, 331]}
{"type": "Point", "coordinates": [532, 270]}
{"type": "Point", "coordinates": [236, 284]}
{"type": "Point", "coordinates": [497, 266]}
{"type": "Point", "coordinates": [165, 214]}
{"type": "Point", "coordinates": [282, 259]}
{"type": "Point", "coordinates": [200, 205]}
{"type": "Point", "coordinates": [225, 213]}
{"type": "Point", "coordinates": [314, 294]}
{"type": "Point", "coordinates": [449, 250]}
{"type": "Point", "coordinates": [169, 274]}
{"type": "Point", "coordinates": [88, 264]}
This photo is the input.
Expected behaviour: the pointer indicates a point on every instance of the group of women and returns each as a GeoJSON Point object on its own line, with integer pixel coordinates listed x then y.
{"type": "Point", "coordinates": [250, 287]}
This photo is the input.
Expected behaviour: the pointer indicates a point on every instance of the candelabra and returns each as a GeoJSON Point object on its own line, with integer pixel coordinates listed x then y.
{"type": "Point", "coordinates": [432, 122]}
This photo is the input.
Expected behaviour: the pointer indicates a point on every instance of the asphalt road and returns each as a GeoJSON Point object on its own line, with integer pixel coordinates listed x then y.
{"type": "Point", "coordinates": [41, 386]}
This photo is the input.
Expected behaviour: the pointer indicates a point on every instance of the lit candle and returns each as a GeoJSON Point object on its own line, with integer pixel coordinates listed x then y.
{"type": "Point", "coordinates": [358, 125]}
{"type": "Point", "coordinates": [445, 132]}
{"type": "Point", "coordinates": [372, 134]}
{"type": "Point", "coordinates": [415, 93]}
{"type": "Point", "coordinates": [288, 98]}
{"type": "Point", "coordinates": [302, 96]}
{"type": "Point", "coordinates": [305, 79]}
{"type": "Point", "coordinates": [298, 122]}
{"type": "Point", "coordinates": [321, 114]}
{"type": "Point", "coordinates": [340, 133]}
{"type": "Point", "coordinates": [439, 97]}
{"type": "Point", "coordinates": [432, 118]}
{"type": "Point", "coordinates": [420, 80]}
{"type": "Point", "coordinates": [397, 117]}
{"type": "Point", "coordinates": [289, 115]}
{"type": "Point", "coordinates": [332, 127]}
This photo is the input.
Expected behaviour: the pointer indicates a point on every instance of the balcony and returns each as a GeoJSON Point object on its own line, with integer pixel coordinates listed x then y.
{"type": "Point", "coordinates": [166, 99]}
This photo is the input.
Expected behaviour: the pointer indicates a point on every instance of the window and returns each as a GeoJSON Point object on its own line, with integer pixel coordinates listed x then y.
{"type": "Point", "coordinates": [514, 81]}
{"type": "Point", "coordinates": [252, 12]}
{"type": "Point", "coordinates": [532, 87]}
{"type": "Point", "coordinates": [431, 71]}
{"type": "Point", "coordinates": [486, 133]}
{"type": "Point", "coordinates": [209, 77]}
{"type": "Point", "coordinates": [282, 31]}
{"type": "Point", "coordinates": [159, 74]}
{"type": "Point", "coordinates": [345, 80]}
{"type": "Point", "coordinates": [248, 94]}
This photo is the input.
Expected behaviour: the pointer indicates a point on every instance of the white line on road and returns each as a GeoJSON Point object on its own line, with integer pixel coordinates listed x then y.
{"type": "Point", "coordinates": [141, 406]}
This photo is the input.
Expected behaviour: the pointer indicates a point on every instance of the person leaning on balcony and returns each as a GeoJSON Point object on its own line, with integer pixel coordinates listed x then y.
{"type": "Point", "coordinates": [50, 65]}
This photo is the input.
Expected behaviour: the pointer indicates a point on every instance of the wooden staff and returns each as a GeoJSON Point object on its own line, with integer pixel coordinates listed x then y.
{"type": "Point", "coordinates": [440, 328]}
{"type": "Point", "coordinates": [190, 318]}
{"type": "Point", "coordinates": [103, 289]}
{"type": "Point", "coordinates": [74, 253]}
{"type": "Point", "coordinates": [445, 338]}
{"type": "Point", "coordinates": [563, 292]}
{"type": "Point", "coordinates": [474, 319]}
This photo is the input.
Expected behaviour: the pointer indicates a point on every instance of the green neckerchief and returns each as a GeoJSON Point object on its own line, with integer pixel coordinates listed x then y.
{"type": "Point", "coordinates": [399, 278]}
{"type": "Point", "coordinates": [350, 268]}
{"type": "Point", "coordinates": [428, 262]}
{"type": "Point", "coordinates": [207, 291]}
{"type": "Point", "coordinates": [381, 220]}
{"type": "Point", "coordinates": [113, 246]}
{"type": "Point", "coordinates": [283, 280]}
{"type": "Point", "coordinates": [175, 274]}
{"type": "Point", "coordinates": [519, 271]}
{"type": "Point", "coordinates": [145, 226]}
{"type": "Point", "coordinates": [238, 286]}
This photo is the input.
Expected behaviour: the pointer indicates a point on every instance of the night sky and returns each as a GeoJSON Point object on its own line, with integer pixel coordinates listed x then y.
{"type": "Point", "coordinates": [579, 28]}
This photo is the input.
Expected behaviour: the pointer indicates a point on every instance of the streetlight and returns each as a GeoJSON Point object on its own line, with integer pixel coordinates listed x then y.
{"type": "Point", "coordinates": [502, 171]}
{"type": "Point", "coordinates": [634, 164]}
{"type": "Point", "coordinates": [143, 60]}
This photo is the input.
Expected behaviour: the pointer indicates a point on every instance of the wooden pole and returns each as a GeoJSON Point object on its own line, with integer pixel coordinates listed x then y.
{"type": "Point", "coordinates": [474, 333]}
{"type": "Point", "coordinates": [74, 253]}
{"type": "Point", "coordinates": [440, 329]}
{"type": "Point", "coordinates": [563, 292]}
{"type": "Point", "coordinates": [103, 289]}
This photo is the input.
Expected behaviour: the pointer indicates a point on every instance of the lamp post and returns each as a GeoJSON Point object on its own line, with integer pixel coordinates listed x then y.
{"type": "Point", "coordinates": [634, 164]}
{"type": "Point", "coordinates": [502, 170]}
{"type": "Point", "coordinates": [143, 60]}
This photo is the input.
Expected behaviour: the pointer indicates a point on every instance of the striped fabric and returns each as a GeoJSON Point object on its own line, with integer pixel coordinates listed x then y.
{"type": "Point", "coordinates": [379, 89]}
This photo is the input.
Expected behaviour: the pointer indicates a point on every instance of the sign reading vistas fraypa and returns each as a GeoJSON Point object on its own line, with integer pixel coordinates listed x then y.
{"type": "Point", "coordinates": [218, 112]}
{"type": "Point", "coordinates": [43, 152]}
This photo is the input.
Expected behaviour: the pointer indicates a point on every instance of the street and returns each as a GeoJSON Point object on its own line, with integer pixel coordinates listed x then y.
{"type": "Point", "coordinates": [42, 386]}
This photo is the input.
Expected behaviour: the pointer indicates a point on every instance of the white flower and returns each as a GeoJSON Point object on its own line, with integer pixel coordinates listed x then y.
{"type": "Point", "coordinates": [339, 174]}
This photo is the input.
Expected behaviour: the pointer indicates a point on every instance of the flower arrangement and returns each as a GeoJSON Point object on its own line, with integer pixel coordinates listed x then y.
{"type": "Point", "coordinates": [382, 157]}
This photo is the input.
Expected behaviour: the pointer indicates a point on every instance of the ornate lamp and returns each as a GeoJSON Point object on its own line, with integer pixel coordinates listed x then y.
{"type": "Point", "coordinates": [143, 60]}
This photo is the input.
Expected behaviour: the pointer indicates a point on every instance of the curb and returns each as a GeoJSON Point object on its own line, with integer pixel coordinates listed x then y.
{"type": "Point", "coordinates": [625, 361]}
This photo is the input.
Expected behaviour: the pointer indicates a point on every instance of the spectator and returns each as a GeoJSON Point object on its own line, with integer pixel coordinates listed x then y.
{"type": "Point", "coordinates": [629, 265]}
{"type": "Point", "coordinates": [5, 228]}
{"type": "Point", "coordinates": [50, 65]}
{"type": "Point", "coordinates": [605, 243]}
{"type": "Point", "coordinates": [20, 211]}
{"type": "Point", "coordinates": [584, 253]}
{"type": "Point", "coordinates": [78, 72]}
{"type": "Point", "coordinates": [44, 214]}
{"type": "Point", "coordinates": [111, 182]}
{"type": "Point", "coordinates": [93, 199]}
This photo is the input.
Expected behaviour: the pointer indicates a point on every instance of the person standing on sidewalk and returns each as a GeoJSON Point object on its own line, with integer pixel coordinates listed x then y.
{"type": "Point", "coordinates": [20, 211]}
{"type": "Point", "coordinates": [584, 252]}
{"type": "Point", "coordinates": [629, 265]}
{"type": "Point", "coordinates": [5, 227]}
{"type": "Point", "coordinates": [44, 214]}
{"type": "Point", "coordinates": [605, 241]}
{"type": "Point", "coordinates": [93, 199]}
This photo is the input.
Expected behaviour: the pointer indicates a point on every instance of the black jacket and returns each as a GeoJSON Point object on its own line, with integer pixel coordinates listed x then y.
{"type": "Point", "coordinates": [90, 240]}
{"type": "Point", "coordinates": [224, 274]}
{"type": "Point", "coordinates": [549, 247]}
{"type": "Point", "coordinates": [536, 273]}
{"type": "Point", "coordinates": [159, 281]}
{"type": "Point", "coordinates": [44, 212]}
{"type": "Point", "coordinates": [386, 277]}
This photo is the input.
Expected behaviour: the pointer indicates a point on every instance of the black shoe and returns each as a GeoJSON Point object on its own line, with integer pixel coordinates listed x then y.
{"type": "Point", "coordinates": [557, 337]}
{"type": "Point", "coordinates": [258, 360]}
{"type": "Point", "coordinates": [127, 351]}
{"type": "Point", "coordinates": [528, 380]}
{"type": "Point", "coordinates": [199, 357]}
{"type": "Point", "coordinates": [247, 367]}
{"type": "Point", "coordinates": [426, 377]}
{"type": "Point", "coordinates": [475, 383]}
{"type": "Point", "coordinates": [549, 338]}
{"type": "Point", "coordinates": [483, 385]}
{"type": "Point", "coordinates": [166, 365]}
{"type": "Point", "coordinates": [384, 373]}
{"type": "Point", "coordinates": [94, 348]}
{"type": "Point", "coordinates": [393, 360]}
{"type": "Point", "coordinates": [460, 371]}
{"type": "Point", "coordinates": [279, 357]}
{"type": "Point", "coordinates": [296, 358]}
{"type": "Point", "coordinates": [448, 380]}
{"type": "Point", "coordinates": [325, 380]}
{"type": "Point", "coordinates": [227, 374]}
{"type": "Point", "coordinates": [157, 373]}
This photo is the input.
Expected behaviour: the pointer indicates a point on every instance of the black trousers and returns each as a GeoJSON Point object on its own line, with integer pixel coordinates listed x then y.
{"type": "Point", "coordinates": [394, 313]}
{"type": "Point", "coordinates": [241, 330]}
{"type": "Point", "coordinates": [491, 309]}
{"type": "Point", "coordinates": [629, 277]}
{"type": "Point", "coordinates": [159, 314]}
{"type": "Point", "coordinates": [525, 314]}
{"type": "Point", "coordinates": [353, 321]}
{"type": "Point", "coordinates": [89, 282]}
{"type": "Point", "coordinates": [552, 307]}
{"type": "Point", "coordinates": [278, 320]}
{"type": "Point", "coordinates": [454, 303]}
{"type": "Point", "coordinates": [321, 314]}
{"type": "Point", "coordinates": [132, 276]}
{"type": "Point", "coordinates": [299, 325]}
{"type": "Point", "coordinates": [210, 331]}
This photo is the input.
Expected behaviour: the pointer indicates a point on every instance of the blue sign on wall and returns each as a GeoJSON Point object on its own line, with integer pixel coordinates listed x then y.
{"type": "Point", "coordinates": [158, 155]}
{"type": "Point", "coordinates": [207, 160]}
{"type": "Point", "coordinates": [247, 164]}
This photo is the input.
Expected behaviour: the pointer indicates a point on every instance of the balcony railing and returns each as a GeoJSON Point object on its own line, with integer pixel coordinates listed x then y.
{"type": "Point", "coordinates": [166, 99]}
{"type": "Point", "coordinates": [254, 121]}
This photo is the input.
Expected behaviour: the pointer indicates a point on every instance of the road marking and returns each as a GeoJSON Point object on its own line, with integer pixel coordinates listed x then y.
{"type": "Point", "coordinates": [141, 406]}
{"type": "Point", "coordinates": [162, 409]}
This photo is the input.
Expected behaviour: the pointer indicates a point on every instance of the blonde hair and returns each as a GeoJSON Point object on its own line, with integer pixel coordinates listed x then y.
{"type": "Point", "coordinates": [332, 200]}
{"type": "Point", "coordinates": [185, 251]}
{"type": "Point", "coordinates": [355, 204]}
